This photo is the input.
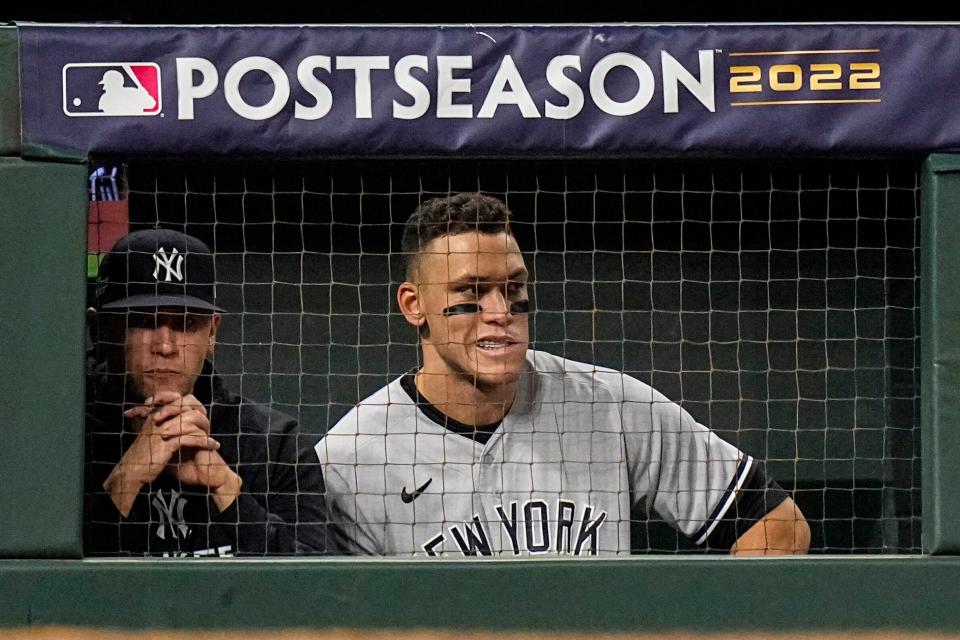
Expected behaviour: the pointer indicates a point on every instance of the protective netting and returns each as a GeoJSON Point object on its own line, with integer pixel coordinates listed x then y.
{"type": "Point", "coordinates": [777, 302]}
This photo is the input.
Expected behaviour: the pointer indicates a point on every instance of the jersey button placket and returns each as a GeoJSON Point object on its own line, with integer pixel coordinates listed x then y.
{"type": "Point", "coordinates": [489, 480]}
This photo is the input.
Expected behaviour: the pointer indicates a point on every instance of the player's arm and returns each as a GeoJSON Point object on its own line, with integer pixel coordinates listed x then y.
{"type": "Point", "coordinates": [206, 468]}
{"type": "Point", "coordinates": [298, 519]}
{"type": "Point", "coordinates": [340, 457]}
{"type": "Point", "coordinates": [175, 433]}
{"type": "Point", "coordinates": [282, 507]}
{"type": "Point", "coordinates": [711, 491]}
{"type": "Point", "coordinates": [755, 516]}
{"type": "Point", "coordinates": [168, 422]}
{"type": "Point", "coordinates": [782, 531]}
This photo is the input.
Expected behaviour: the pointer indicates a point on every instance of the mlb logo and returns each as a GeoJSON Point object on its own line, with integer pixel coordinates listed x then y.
{"type": "Point", "coordinates": [111, 89]}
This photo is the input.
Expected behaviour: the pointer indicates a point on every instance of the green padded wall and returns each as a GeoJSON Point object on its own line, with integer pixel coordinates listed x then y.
{"type": "Point", "coordinates": [42, 252]}
{"type": "Point", "coordinates": [640, 594]}
{"type": "Point", "coordinates": [9, 92]}
{"type": "Point", "coordinates": [940, 349]}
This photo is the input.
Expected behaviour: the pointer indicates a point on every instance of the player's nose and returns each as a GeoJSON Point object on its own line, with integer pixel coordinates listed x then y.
{"type": "Point", "coordinates": [163, 340]}
{"type": "Point", "coordinates": [496, 308]}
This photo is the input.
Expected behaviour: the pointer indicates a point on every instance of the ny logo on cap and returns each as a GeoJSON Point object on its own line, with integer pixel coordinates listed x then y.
{"type": "Point", "coordinates": [172, 263]}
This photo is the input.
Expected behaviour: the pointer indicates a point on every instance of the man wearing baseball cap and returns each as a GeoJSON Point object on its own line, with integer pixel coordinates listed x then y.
{"type": "Point", "coordinates": [177, 465]}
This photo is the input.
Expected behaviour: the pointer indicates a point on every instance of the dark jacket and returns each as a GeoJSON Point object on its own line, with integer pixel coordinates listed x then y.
{"type": "Point", "coordinates": [280, 510]}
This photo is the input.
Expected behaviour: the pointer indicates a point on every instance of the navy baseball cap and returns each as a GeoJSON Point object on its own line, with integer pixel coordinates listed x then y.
{"type": "Point", "coordinates": [157, 268]}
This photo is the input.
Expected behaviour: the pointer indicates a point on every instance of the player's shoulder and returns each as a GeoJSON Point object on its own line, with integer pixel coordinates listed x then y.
{"type": "Point", "coordinates": [233, 414]}
{"type": "Point", "coordinates": [360, 436]}
{"type": "Point", "coordinates": [576, 380]}
{"type": "Point", "coordinates": [377, 412]}
{"type": "Point", "coordinates": [236, 414]}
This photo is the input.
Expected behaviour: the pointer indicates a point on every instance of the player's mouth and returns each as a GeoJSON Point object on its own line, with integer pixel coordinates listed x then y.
{"type": "Point", "coordinates": [495, 345]}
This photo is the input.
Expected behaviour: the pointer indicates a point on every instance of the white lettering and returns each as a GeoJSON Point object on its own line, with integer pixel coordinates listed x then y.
{"type": "Point", "coordinates": [569, 89]}
{"type": "Point", "coordinates": [508, 75]}
{"type": "Point", "coordinates": [674, 74]}
{"type": "Point", "coordinates": [319, 91]}
{"type": "Point", "coordinates": [273, 106]}
{"type": "Point", "coordinates": [598, 90]}
{"type": "Point", "coordinates": [563, 95]}
{"type": "Point", "coordinates": [447, 85]}
{"type": "Point", "coordinates": [403, 74]}
{"type": "Point", "coordinates": [187, 92]}
{"type": "Point", "coordinates": [362, 66]}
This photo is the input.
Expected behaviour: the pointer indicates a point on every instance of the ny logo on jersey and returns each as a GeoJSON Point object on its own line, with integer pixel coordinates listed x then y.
{"type": "Point", "coordinates": [171, 515]}
{"type": "Point", "coordinates": [172, 265]}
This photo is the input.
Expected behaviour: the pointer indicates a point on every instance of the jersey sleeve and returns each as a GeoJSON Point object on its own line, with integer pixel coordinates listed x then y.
{"type": "Point", "coordinates": [757, 496]}
{"type": "Point", "coordinates": [677, 466]}
{"type": "Point", "coordinates": [354, 488]}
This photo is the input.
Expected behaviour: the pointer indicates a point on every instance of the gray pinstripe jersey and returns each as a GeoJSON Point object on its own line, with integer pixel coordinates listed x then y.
{"type": "Point", "coordinates": [580, 445]}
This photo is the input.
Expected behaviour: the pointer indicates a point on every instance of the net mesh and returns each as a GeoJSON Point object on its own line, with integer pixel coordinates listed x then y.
{"type": "Point", "coordinates": [777, 302]}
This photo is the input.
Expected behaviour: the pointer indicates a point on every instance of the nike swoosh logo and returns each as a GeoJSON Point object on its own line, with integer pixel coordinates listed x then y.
{"type": "Point", "coordinates": [410, 497]}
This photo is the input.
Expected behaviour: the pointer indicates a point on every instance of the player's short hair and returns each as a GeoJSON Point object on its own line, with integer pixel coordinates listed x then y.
{"type": "Point", "coordinates": [452, 215]}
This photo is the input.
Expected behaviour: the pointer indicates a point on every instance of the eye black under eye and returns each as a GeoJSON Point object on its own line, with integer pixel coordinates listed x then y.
{"type": "Point", "coordinates": [461, 309]}
{"type": "Point", "coordinates": [519, 306]}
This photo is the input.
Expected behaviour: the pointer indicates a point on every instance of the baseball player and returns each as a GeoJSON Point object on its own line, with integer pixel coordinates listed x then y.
{"type": "Point", "coordinates": [177, 465]}
{"type": "Point", "coordinates": [491, 448]}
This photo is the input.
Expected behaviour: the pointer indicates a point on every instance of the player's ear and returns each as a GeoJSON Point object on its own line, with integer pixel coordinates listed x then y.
{"type": "Point", "coordinates": [92, 332]}
{"type": "Point", "coordinates": [214, 325]}
{"type": "Point", "coordinates": [408, 297]}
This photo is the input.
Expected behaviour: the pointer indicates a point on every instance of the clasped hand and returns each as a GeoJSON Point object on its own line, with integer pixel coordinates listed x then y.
{"type": "Point", "coordinates": [173, 437]}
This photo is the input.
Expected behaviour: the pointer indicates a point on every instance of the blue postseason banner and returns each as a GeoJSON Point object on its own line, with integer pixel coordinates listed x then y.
{"type": "Point", "coordinates": [590, 90]}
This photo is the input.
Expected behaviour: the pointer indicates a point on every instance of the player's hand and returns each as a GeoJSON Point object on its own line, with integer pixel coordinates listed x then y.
{"type": "Point", "coordinates": [169, 422]}
{"type": "Point", "coordinates": [205, 467]}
